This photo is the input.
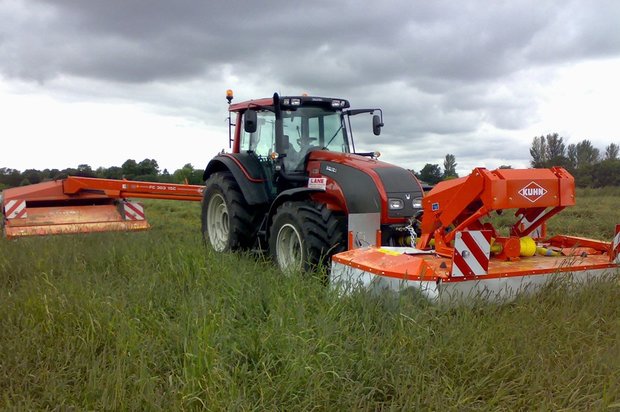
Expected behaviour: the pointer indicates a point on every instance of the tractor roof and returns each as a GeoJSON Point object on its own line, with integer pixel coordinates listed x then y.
{"type": "Point", "coordinates": [292, 101]}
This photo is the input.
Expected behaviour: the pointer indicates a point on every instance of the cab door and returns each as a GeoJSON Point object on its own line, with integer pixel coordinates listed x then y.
{"type": "Point", "coordinates": [260, 145]}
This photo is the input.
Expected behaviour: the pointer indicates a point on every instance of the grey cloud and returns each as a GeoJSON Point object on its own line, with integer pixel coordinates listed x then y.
{"type": "Point", "coordinates": [438, 69]}
{"type": "Point", "coordinates": [420, 42]}
{"type": "Point", "coordinates": [578, 30]}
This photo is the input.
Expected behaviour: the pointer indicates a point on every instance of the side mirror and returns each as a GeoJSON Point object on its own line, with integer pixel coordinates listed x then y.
{"type": "Point", "coordinates": [376, 125]}
{"type": "Point", "coordinates": [250, 121]}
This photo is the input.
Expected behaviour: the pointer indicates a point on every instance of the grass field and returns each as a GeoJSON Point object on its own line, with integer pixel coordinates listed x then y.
{"type": "Point", "coordinates": [154, 321]}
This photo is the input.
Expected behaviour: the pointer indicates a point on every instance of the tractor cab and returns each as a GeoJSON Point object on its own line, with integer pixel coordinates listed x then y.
{"type": "Point", "coordinates": [294, 184]}
{"type": "Point", "coordinates": [282, 131]}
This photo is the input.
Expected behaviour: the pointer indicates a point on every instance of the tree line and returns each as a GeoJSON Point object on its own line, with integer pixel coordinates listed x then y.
{"type": "Point", "coordinates": [147, 171]}
{"type": "Point", "coordinates": [432, 173]}
{"type": "Point", "coordinates": [589, 166]}
{"type": "Point", "coordinates": [586, 163]}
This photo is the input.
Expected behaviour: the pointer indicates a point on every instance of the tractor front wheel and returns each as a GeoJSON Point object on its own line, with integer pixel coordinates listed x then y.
{"type": "Point", "coordinates": [304, 235]}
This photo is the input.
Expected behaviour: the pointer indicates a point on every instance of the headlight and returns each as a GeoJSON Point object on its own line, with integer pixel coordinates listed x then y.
{"type": "Point", "coordinates": [417, 203]}
{"type": "Point", "coordinates": [295, 102]}
{"type": "Point", "coordinates": [395, 204]}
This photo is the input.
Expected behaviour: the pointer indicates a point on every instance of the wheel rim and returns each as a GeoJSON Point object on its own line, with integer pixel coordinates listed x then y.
{"type": "Point", "coordinates": [218, 223]}
{"type": "Point", "coordinates": [289, 248]}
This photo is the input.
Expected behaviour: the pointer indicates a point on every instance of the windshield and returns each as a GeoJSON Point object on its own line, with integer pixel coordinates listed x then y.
{"type": "Point", "coordinates": [303, 129]}
{"type": "Point", "coordinates": [308, 128]}
{"type": "Point", "coordinates": [311, 128]}
{"type": "Point", "coordinates": [314, 127]}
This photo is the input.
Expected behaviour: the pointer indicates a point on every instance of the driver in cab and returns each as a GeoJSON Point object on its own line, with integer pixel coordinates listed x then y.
{"type": "Point", "coordinates": [296, 154]}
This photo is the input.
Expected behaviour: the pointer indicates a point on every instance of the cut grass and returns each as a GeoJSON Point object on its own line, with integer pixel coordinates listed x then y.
{"type": "Point", "coordinates": [156, 321]}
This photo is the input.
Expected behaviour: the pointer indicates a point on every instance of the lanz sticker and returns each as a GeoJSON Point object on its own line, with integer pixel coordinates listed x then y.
{"type": "Point", "coordinates": [319, 183]}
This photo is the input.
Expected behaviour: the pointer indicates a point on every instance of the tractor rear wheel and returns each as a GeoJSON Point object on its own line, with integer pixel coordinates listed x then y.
{"type": "Point", "coordinates": [304, 235]}
{"type": "Point", "coordinates": [228, 222]}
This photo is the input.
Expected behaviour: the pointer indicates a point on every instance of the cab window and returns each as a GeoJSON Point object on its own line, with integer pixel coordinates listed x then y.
{"type": "Point", "coordinates": [262, 141]}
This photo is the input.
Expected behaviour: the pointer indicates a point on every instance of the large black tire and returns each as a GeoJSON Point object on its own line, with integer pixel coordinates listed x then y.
{"type": "Point", "coordinates": [228, 222]}
{"type": "Point", "coordinates": [304, 235]}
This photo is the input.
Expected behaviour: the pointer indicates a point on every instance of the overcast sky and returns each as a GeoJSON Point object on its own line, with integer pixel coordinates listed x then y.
{"type": "Point", "coordinates": [98, 82]}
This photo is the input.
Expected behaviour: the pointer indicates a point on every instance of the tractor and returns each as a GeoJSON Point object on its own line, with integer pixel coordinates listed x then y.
{"type": "Point", "coordinates": [294, 185]}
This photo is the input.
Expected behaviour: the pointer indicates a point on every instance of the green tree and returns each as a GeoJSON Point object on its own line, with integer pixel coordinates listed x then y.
{"type": "Point", "coordinates": [188, 174]}
{"type": "Point", "coordinates": [449, 167]}
{"type": "Point", "coordinates": [538, 151]}
{"type": "Point", "coordinates": [67, 172]}
{"type": "Point", "coordinates": [51, 174]}
{"type": "Point", "coordinates": [148, 167]}
{"type": "Point", "coordinates": [547, 151]}
{"type": "Point", "coordinates": [611, 151]}
{"type": "Point", "coordinates": [607, 173]}
{"type": "Point", "coordinates": [10, 177]}
{"type": "Point", "coordinates": [431, 174]}
{"type": "Point", "coordinates": [582, 154]}
{"type": "Point", "coordinates": [85, 171]}
{"type": "Point", "coordinates": [112, 172]}
{"type": "Point", "coordinates": [582, 160]}
{"type": "Point", "coordinates": [130, 169]}
{"type": "Point", "coordinates": [165, 177]}
{"type": "Point", "coordinates": [32, 176]}
{"type": "Point", "coordinates": [556, 151]}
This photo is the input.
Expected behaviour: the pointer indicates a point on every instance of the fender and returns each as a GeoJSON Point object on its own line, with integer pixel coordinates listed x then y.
{"type": "Point", "coordinates": [247, 172]}
{"type": "Point", "coordinates": [290, 194]}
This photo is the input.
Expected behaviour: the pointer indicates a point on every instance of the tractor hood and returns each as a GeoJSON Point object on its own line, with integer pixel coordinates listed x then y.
{"type": "Point", "coordinates": [370, 185]}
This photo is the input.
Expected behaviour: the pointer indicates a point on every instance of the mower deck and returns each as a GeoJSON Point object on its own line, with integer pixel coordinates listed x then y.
{"type": "Point", "coordinates": [83, 205]}
{"type": "Point", "coordinates": [400, 268]}
{"type": "Point", "coordinates": [71, 219]}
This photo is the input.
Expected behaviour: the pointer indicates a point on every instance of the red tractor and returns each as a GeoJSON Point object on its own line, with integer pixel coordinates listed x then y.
{"type": "Point", "coordinates": [295, 185]}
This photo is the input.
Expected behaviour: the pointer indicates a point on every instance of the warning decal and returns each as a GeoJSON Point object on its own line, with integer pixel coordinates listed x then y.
{"type": "Point", "coordinates": [133, 211]}
{"type": "Point", "coordinates": [471, 253]}
{"type": "Point", "coordinates": [15, 209]}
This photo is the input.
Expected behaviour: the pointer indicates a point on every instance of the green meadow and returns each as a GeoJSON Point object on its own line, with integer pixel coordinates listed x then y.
{"type": "Point", "coordinates": [156, 321]}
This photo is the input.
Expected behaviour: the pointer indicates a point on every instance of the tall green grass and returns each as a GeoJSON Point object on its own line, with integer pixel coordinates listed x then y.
{"type": "Point", "coordinates": [155, 321]}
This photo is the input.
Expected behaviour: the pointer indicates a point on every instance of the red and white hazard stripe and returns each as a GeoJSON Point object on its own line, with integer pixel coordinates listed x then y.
{"type": "Point", "coordinates": [471, 253]}
{"type": "Point", "coordinates": [615, 254]}
{"type": "Point", "coordinates": [15, 209]}
{"type": "Point", "coordinates": [133, 211]}
{"type": "Point", "coordinates": [525, 224]}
